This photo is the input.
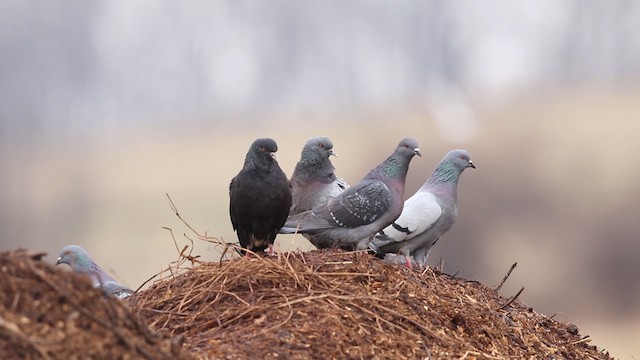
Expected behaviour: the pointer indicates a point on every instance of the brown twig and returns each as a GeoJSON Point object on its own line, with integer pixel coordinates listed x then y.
{"type": "Point", "coordinates": [512, 299]}
{"type": "Point", "coordinates": [506, 276]}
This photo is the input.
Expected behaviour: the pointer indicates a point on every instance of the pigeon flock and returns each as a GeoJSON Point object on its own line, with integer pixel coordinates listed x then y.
{"type": "Point", "coordinates": [370, 215]}
{"type": "Point", "coordinates": [351, 219]}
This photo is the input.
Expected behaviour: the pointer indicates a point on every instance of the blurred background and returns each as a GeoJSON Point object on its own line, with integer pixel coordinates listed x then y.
{"type": "Point", "coordinates": [106, 106]}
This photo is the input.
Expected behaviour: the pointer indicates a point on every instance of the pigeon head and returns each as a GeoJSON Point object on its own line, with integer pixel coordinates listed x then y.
{"type": "Point", "coordinates": [321, 145]}
{"type": "Point", "coordinates": [397, 164]}
{"type": "Point", "coordinates": [460, 159]}
{"type": "Point", "coordinates": [317, 149]}
{"type": "Point", "coordinates": [77, 258]}
{"type": "Point", "coordinates": [264, 146]}
{"type": "Point", "coordinates": [408, 147]}
{"type": "Point", "coordinates": [451, 166]}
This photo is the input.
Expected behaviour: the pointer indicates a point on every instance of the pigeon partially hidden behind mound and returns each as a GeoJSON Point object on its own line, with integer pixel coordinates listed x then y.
{"type": "Point", "coordinates": [260, 197]}
{"type": "Point", "coordinates": [350, 220]}
{"type": "Point", "coordinates": [80, 262]}
{"type": "Point", "coordinates": [426, 215]}
{"type": "Point", "coordinates": [314, 180]}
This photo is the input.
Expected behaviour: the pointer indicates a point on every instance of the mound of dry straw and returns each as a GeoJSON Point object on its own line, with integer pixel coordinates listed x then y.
{"type": "Point", "coordinates": [333, 304]}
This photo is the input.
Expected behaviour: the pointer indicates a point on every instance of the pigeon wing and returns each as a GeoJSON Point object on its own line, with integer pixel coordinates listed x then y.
{"type": "Point", "coordinates": [420, 212]}
{"type": "Point", "coordinates": [359, 205]}
{"type": "Point", "coordinates": [116, 289]}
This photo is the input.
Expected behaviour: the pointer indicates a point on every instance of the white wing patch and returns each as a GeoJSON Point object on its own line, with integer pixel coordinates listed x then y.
{"type": "Point", "coordinates": [419, 213]}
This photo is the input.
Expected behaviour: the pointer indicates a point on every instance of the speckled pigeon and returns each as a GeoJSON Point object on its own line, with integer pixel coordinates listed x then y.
{"type": "Point", "coordinates": [350, 220]}
{"type": "Point", "coordinates": [314, 180]}
{"type": "Point", "coordinates": [81, 262]}
{"type": "Point", "coordinates": [426, 215]}
{"type": "Point", "coordinates": [260, 197]}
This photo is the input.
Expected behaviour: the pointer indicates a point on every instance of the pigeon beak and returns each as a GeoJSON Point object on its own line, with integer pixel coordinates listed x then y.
{"type": "Point", "coordinates": [59, 261]}
{"type": "Point", "coordinates": [471, 164]}
{"type": "Point", "coordinates": [273, 155]}
{"type": "Point", "coordinates": [331, 152]}
{"type": "Point", "coordinates": [417, 151]}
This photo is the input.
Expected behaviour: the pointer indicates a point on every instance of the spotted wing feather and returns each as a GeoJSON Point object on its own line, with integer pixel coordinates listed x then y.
{"type": "Point", "coordinates": [357, 206]}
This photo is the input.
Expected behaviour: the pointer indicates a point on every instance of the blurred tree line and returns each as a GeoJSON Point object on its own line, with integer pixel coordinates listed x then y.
{"type": "Point", "coordinates": [94, 67]}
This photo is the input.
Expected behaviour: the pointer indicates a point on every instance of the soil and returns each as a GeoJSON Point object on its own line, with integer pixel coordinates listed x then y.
{"type": "Point", "coordinates": [321, 304]}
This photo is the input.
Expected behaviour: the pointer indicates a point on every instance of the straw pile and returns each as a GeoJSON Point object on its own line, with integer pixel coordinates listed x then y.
{"type": "Point", "coordinates": [48, 313]}
{"type": "Point", "coordinates": [333, 304]}
{"type": "Point", "coordinates": [321, 304]}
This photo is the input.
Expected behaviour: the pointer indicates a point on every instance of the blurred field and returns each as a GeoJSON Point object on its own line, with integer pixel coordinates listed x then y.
{"type": "Point", "coordinates": [554, 190]}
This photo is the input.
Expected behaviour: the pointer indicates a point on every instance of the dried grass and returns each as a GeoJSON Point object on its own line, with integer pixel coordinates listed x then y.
{"type": "Point", "coordinates": [334, 304]}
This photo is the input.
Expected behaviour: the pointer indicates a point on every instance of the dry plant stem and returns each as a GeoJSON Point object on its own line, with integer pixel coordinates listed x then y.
{"type": "Point", "coordinates": [201, 237]}
{"type": "Point", "coordinates": [175, 210]}
{"type": "Point", "coordinates": [512, 299]}
{"type": "Point", "coordinates": [504, 279]}
{"type": "Point", "coordinates": [474, 354]}
{"type": "Point", "coordinates": [584, 339]}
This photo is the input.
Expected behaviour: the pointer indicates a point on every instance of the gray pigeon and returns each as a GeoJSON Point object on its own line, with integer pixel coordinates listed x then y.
{"type": "Point", "coordinates": [81, 262]}
{"type": "Point", "coordinates": [314, 180]}
{"type": "Point", "coordinates": [426, 215]}
{"type": "Point", "coordinates": [259, 197]}
{"type": "Point", "coordinates": [350, 220]}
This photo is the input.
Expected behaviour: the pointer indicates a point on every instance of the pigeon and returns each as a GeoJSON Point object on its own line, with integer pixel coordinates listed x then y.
{"type": "Point", "coordinates": [426, 215]}
{"type": "Point", "coordinates": [81, 262]}
{"type": "Point", "coordinates": [313, 181]}
{"type": "Point", "coordinates": [260, 198]}
{"type": "Point", "coordinates": [350, 220]}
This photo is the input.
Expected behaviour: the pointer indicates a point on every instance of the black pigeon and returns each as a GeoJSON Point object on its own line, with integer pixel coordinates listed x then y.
{"type": "Point", "coordinates": [260, 197]}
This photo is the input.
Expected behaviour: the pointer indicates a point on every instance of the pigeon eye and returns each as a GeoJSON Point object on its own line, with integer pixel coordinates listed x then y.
{"type": "Point", "coordinates": [462, 157]}
{"type": "Point", "coordinates": [322, 146]}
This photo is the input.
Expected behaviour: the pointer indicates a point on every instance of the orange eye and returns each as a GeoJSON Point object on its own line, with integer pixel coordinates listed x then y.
{"type": "Point", "coordinates": [462, 157]}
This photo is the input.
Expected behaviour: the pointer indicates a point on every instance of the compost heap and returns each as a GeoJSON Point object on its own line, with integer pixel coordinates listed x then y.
{"type": "Point", "coordinates": [319, 304]}
{"type": "Point", "coordinates": [331, 304]}
{"type": "Point", "coordinates": [49, 313]}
